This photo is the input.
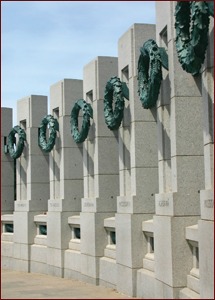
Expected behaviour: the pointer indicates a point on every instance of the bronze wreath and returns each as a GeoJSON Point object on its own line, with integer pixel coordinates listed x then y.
{"type": "Point", "coordinates": [115, 90]}
{"type": "Point", "coordinates": [149, 77]}
{"type": "Point", "coordinates": [45, 145]}
{"type": "Point", "coordinates": [79, 137]}
{"type": "Point", "coordinates": [12, 140]}
{"type": "Point", "coordinates": [191, 43]}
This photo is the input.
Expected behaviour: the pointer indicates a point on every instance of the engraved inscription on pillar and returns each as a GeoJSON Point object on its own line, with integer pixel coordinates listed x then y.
{"type": "Point", "coordinates": [163, 203]}
{"type": "Point", "coordinates": [209, 203]}
{"type": "Point", "coordinates": [88, 204]}
{"type": "Point", "coordinates": [124, 203]}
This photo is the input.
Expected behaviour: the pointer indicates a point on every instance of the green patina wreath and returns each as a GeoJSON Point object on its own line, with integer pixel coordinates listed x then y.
{"type": "Point", "coordinates": [191, 43]}
{"type": "Point", "coordinates": [115, 91]}
{"type": "Point", "coordinates": [12, 141]}
{"type": "Point", "coordinates": [79, 137]}
{"type": "Point", "coordinates": [149, 77]}
{"type": "Point", "coordinates": [45, 145]}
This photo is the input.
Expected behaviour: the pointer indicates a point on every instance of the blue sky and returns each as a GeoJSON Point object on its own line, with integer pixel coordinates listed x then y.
{"type": "Point", "coordinates": [46, 41]}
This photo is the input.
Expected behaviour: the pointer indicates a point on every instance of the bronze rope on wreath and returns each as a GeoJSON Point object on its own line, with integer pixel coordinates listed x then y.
{"type": "Point", "coordinates": [115, 91]}
{"type": "Point", "coordinates": [79, 137]}
{"type": "Point", "coordinates": [12, 141]}
{"type": "Point", "coordinates": [50, 121]}
{"type": "Point", "coordinates": [150, 63]}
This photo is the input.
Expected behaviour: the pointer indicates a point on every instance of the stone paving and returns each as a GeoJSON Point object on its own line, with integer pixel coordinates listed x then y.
{"type": "Point", "coordinates": [20, 285]}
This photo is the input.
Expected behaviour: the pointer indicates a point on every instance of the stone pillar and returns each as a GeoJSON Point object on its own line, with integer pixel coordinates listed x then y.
{"type": "Point", "coordinates": [7, 191]}
{"type": "Point", "coordinates": [180, 154]}
{"type": "Point", "coordinates": [206, 224]}
{"type": "Point", "coordinates": [66, 174]}
{"type": "Point", "coordinates": [138, 163]}
{"type": "Point", "coordinates": [101, 179]}
{"type": "Point", "coordinates": [7, 164]}
{"type": "Point", "coordinates": [32, 179]}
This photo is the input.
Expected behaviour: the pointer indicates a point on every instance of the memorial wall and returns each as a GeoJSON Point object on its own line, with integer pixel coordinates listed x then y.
{"type": "Point", "coordinates": [113, 184]}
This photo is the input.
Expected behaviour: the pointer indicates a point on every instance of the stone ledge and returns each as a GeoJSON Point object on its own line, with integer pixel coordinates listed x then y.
{"type": "Point", "coordinates": [192, 233]}
{"type": "Point", "coordinates": [40, 218]}
{"type": "Point", "coordinates": [148, 226]}
{"type": "Point", "coordinates": [7, 218]}
{"type": "Point", "coordinates": [109, 222]}
{"type": "Point", "coordinates": [186, 293]}
{"type": "Point", "coordinates": [74, 220]}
